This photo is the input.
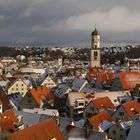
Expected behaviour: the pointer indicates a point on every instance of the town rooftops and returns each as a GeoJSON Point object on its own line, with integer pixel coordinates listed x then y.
{"type": "Point", "coordinates": [96, 120]}
{"type": "Point", "coordinates": [132, 107]}
{"type": "Point", "coordinates": [45, 130]}
{"type": "Point", "coordinates": [103, 102]}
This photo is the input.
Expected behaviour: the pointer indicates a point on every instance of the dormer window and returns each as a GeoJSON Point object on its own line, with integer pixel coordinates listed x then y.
{"type": "Point", "coordinates": [134, 111]}
{"type": "Point", "coordinates": [80, 102]}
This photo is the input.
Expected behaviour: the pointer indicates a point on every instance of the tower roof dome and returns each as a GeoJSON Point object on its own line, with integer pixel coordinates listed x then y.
{"type": "Point", "coordinates": [95, 32]}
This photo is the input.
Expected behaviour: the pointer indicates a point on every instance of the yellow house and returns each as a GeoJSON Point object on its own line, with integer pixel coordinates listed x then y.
{"type": "Point", "coordinates": [21, 86]}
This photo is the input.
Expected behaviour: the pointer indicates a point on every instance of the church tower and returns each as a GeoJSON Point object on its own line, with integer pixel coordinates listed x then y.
{"type": "Point", "coordinates": [95, 49]}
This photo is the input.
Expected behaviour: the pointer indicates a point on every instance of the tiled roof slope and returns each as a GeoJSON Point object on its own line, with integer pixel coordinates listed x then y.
{"type": "Point", "coordinates": [103, 102]}
{"type": "Point", "coordinates": [130, 106]}
{"type": "Point", "coordinates": [41, 93]}
{"type": "Point", "coordinates": [96, 120]}
{"type": "Point", "coordinates": [45, 130]}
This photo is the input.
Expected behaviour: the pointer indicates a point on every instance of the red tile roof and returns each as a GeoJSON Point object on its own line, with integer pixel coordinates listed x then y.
{"type": "Point", "coordinates": [93, 72]}
{"type": "Point", "coordinates": [9, 114]}
{"type": "Point", "coordinates": [45, 130]}
{"type": "Point", "coordinates": [101, 74]}
{"type": "Point", "coordinates": [129, 79]}
{"type": "Point", "coordinates": [129, 106]}
{"type": "Point", "coordinates": [7, 120]}
{"type": "Point", "coordinates": [103, 102]}
{"type": "Point", "coordinates": [41, 93]}
{"type": "Point", "coordinates": [6, 124]}
{"type": "Point", "coordinates": [96, 120]}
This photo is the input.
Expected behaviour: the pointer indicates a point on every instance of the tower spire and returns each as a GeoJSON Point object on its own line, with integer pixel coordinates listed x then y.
{"type": "Point", "coordinates": [95, 48]}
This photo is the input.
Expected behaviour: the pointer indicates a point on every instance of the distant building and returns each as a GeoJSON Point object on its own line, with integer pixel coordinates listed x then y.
{"type": "Point", "coordinates": [95, 49]}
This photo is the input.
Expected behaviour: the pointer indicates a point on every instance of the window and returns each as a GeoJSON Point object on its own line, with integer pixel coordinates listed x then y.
{"type": "Point", "coordinates": [114, 132]}
{"type": "Point", "coordinates": [115, 100]}
{"type": "Point", "coordinates": [91, 108]}
{"type": "Point", "coordinates": [12, 88]}
{"type": "Point", "coordinates": [22, 89]}
{"type": "Point", "coordinates": [95, 46]}
{"type": "Point", "coordinates": [121, 113]}
{"type": "Point", "coordinates": [95, 53]}
{"type": "Point", "coordinates": [81, 104]}
{"type": "Point", "coordinates": [29, 95]}
{"type": "Point", "coordinates": [121, 136]}
{"type": "Point", "coordinates": [28, 101]}
{"type": "Point", "coordinates": [95, 58]}
{"type": "Point", "coordinates": [16, 88]}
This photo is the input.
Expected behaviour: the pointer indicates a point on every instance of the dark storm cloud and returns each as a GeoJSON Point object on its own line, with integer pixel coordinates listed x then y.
{"type": "Point", "coordinates": [68, 21]}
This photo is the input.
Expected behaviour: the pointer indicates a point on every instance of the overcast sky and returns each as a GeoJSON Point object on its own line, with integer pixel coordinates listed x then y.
{"type": "Point", "coordinates": [68, 21]}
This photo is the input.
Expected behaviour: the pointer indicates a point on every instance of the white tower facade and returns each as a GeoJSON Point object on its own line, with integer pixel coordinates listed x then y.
{"type": "Point", "coordinates": [95, 49]}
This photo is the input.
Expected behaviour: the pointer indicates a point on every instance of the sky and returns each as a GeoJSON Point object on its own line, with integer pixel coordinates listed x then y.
{"type": "Point", "coordinates": [60, 22]}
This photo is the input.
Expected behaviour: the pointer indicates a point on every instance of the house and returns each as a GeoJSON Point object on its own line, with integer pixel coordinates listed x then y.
{"type": "Point", "coordinates": [98, 104]}
{"type": "Point", "coordinates": [116, 85]}
{"type": "Point", "coordinates": [76, 133]}
{"type": "Point", "coordinates": [124, 99]}
{"type": "Point", "coordinates": [39, 97]}
{"type": "Point", "coordinates": [49, 82]}
{"type": "Point", "coordinates": [15, 100]}
{"type": "Point", "coordinates": [105, 79]}
{"type": "Point", "coordinates": [5, 100]}
{"type": "Point", "coordinates": [9, 75]}
{"type": "Point", "coordinates": [62, 91]}
{"type": "Point", "coordinates": [81, 85]}
{"type": "Point", "coordinates": [126, 81]}
{"type": "Point", "coordinates": [4, 82]}
{"type": "Point", "coordinates": [29, 119]}
{"type": "Point", "coordinates": [45, 130]}
{"type": "Point", "coordinates": [127, 112]}
{"type": "Point", "coordinates": [134, 133]}
{"type": "Point", "coordinates": [41, 113]}
{"type": "Point", "coordinates": [136, 91]}
{"type": "Point", "coordinates": [19, 85]}
{"type": "Point", "coordinates": [119, 131]}
{"type": "Point", "coordinates": [112, 95]}
{"type": "Point", "coordinates": [76, 103]}
{"type": "Point", "coordinates": [100, 122]}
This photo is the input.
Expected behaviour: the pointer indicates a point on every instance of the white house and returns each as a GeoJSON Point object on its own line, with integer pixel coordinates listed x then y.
{"type": "Point", "coordinates": [49, 82]}
{"type": "Point", "coordinates": [21, 86]}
